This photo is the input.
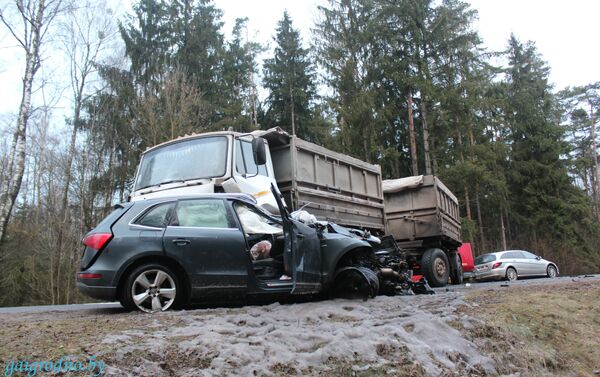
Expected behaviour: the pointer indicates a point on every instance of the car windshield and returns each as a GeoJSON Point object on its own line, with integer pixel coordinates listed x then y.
{"type": "Point", "coordinates": [186, 160]}
{"type": "Point", "coordinates": [485, 258]}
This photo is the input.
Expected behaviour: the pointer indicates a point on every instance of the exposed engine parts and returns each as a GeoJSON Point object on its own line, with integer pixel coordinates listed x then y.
{"type": "Point", "coordinates": [364, 274]}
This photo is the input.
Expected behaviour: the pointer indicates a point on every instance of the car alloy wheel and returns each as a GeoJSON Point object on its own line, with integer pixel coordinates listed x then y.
{"type": "Point", "coordinates": [511, 274]}
{"type": "Point", "coordinates": [552, 272]}
{"type": "Point", "coordinates": [153, 290]}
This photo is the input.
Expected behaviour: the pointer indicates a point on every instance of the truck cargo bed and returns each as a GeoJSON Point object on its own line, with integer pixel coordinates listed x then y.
{"type": "Point", "coordinates": [421, 208]}
{"type": "Point", "coordinates": [330, 185]}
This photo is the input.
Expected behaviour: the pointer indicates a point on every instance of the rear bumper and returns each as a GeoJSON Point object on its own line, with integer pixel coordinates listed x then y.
{"type": "Point", "coordinates": [469, 275]}
{"type": "Point", "coordinates": [498, 273]}
{"type": "Point", "coordinates": [99, 293]}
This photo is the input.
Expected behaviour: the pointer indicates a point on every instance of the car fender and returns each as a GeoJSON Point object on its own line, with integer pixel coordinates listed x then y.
{"type": "Point", "coordinates": [333, 247]}
{"type": "Point", "coordinates": [554, 265]}
{"type": "Point", "coordinates": [148, 256]}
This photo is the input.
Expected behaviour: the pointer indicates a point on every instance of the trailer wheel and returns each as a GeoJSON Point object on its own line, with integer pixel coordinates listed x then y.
{"type": "Point", "coordinates": [436, 267]}
{"type": "Point", "coordinates": [456, 270]}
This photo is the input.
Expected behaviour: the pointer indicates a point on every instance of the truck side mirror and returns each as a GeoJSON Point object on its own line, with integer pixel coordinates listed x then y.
{"type": "Point", "coordinates": [259, 151]}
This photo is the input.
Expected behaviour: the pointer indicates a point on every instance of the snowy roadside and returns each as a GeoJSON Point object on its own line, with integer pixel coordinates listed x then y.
{"type": "Point", "coordinates": [477, 331]}
{"type": "Point", "coordinates": [394, 335]}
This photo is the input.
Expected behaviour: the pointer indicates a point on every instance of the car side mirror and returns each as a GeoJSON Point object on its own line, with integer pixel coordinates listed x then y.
{"type": "Point", "coordinates": [538, 257]}
{"type": "Point", "coordinates": [259, 151]}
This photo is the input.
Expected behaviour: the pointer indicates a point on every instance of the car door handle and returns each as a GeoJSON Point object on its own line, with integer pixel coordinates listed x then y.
{"type": "Point", "coordinates": [299, 235]}
{"type": "Point", "coordinates": [181, 241]}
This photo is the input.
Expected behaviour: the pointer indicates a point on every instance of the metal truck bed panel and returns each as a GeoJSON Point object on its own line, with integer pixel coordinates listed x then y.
{"type": "Point", "coordinates": [424, 208]}
{"type": "Point", "coordinates": [333, 186]}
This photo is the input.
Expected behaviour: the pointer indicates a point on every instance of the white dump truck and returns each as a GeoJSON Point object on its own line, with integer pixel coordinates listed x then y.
{"type": "Point", "coordinates": [419, 215]}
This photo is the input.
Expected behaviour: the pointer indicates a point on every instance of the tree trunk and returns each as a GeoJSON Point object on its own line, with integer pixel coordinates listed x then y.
{"type": "Point", "coordinates": [479, 218]}
{"type": "Point", "coordinates": [16, 158]}
{"type": "Point", "coordinates": [465, 187]}
{"type": "Point", "coordinates": [508, 229]}
{"type": "Point", "coordinates": [595, 186]}
{"type": "Point", "coordinates": [426, 151]}
{"type": "Point", "coordinates": [412, 137]}
{"type": "Point", "coordinates": [30, 42]}
{"type": "Point", "coordinates": [292, 111]}
{"type": "Point", "coordinates": [503, 231]}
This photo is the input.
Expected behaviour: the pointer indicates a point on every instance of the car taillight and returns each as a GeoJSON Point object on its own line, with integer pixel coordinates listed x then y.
{"type": "Point", "coordinates": [97, 241]}
{"type": "Point", "coordinates": [89, 276]}
{"type": "Point", "coordinates": [496, 265]}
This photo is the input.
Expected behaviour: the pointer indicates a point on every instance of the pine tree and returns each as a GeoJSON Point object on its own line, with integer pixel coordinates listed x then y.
{"type": "Point", "coordinates": [290, 79]}
{"type": "Point", "coordinates": [199, 47]}
{"type": "Point", "coordinates": [238, 96]}
{"type": "Point", "coordinates": [346, 51]}
{"type": "Point", "coordinates": [148, 38]}
{"type": "Point", "coordinates": [547, 209]}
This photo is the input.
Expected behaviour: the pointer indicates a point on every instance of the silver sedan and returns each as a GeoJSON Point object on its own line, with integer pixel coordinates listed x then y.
{"type": "Point", "coordinates": [512, 264]}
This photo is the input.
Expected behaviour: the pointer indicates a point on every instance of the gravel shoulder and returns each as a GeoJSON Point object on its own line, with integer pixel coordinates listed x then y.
{"type": "Point", "coordinates": [492, 330]}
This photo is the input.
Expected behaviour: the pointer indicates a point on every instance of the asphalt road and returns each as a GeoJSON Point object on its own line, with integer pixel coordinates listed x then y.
{"type": "Point", "coordinates": [112, 307]}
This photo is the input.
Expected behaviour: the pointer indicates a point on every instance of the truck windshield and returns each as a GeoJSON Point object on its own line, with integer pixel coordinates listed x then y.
{"type": "Point", "coordinates": [186, 160]}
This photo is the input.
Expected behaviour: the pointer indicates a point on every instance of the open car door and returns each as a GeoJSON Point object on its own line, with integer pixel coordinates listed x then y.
{"type": "Point", "coordinates": [302, 252]}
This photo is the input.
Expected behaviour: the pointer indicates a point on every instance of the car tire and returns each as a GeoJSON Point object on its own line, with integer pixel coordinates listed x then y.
{"type": "Point", "coordinates": [436, 268]}
{"type": "Point", "coordinates": [511, 274]}
{"type": "Point", "coordinates": [456, 270]}
{"type": "Point", "coordinates": [551, 271]}
{"type": "Point", "coordinates": [151, 288]}
{"type": "Point", "coordinates": [355, 282]}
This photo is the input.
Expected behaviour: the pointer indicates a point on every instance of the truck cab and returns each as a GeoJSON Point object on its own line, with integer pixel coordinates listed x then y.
{"type": "Point", "coordinates": [207, 163]}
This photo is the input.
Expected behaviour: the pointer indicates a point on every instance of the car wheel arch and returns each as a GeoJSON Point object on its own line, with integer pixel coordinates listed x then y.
{"type": "Point", "coordinates": [348, 252]}
{"type": "Point", "coordinates": [158, 259]}
{"type": "Point", "coordinates": [512, 267]}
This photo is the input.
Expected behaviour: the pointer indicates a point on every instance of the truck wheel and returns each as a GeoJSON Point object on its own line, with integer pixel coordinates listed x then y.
{"type": "Point", "coordinates": [456, 270]}
{"type": "Point", "coordinates": [435, 267]}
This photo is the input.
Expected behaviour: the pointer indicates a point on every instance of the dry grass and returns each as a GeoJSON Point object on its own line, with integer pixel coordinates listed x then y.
{"type": "Point", "coordinates": [539, 330]}
{"type": "Point", "coordinates": [48, 336]}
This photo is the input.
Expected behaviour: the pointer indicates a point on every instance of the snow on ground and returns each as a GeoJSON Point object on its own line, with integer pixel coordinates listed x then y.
{"type": "Point", "coordinates": [304, 338]}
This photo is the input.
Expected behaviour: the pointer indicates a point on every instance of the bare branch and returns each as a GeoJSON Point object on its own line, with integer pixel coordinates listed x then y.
{"type": "Point", "coordinates": [10, 29]}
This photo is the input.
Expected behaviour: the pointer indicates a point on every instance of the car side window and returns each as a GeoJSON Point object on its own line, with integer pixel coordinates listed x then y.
{"type": "Point", "coordinates": [528, 255]}
{"type": "Point", "coordinates": [202, 213]}
{"type": "Point", "coordinates": [254, 222]}
{"type": "Point", "coordinates": [157, 216]}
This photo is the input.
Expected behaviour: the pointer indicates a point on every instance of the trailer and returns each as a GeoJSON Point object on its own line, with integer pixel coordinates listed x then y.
{"type": "Point", "coordinates": [423, 217]}
{"type": "Point", "coordinates": [420, 213]}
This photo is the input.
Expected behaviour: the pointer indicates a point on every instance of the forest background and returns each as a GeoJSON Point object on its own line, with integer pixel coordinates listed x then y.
{"type": "Point", "coordinates": [404, 84]}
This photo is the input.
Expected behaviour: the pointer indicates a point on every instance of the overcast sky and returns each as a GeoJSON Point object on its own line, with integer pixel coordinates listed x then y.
{"type": "Point", "coordinates": [564, 33]}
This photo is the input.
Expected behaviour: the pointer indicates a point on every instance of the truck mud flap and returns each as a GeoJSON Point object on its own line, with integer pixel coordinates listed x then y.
{"type": "Point", "coordinates": [355, 283]}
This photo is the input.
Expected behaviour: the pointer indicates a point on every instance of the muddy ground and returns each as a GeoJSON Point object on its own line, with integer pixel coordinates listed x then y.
{"type": "Point", "coordinates": [537, 329]}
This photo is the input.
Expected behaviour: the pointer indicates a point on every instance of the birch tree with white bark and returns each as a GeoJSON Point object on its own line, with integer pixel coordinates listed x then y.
{"type": "Point", "coordinates": [28, 27]}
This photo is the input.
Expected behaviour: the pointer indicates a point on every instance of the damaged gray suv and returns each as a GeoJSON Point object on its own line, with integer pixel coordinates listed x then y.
{"type": "Point", "coordinates": [158, 254]}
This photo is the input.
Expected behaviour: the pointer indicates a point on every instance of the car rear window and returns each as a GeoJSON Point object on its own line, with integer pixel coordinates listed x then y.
{"type": "Point", "coordinates": [485, 258]}
{"type": "Point", "coordinates": [157, 216]}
